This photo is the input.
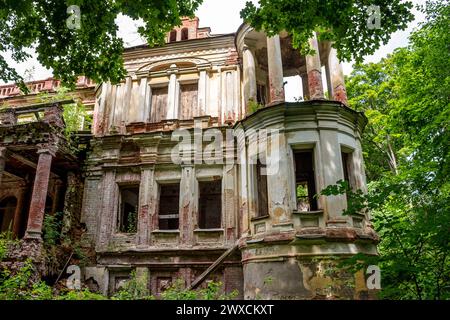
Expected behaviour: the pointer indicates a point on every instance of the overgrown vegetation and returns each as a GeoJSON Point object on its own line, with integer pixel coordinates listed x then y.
{"type": "Point", "coordinates": [350, 25]}
{"type": "Point", "coordinates": [75, 116]}
{"type": "Point", "coordinates": [406, 150]}
{"type": "Point", "coordinates": [19, 286]}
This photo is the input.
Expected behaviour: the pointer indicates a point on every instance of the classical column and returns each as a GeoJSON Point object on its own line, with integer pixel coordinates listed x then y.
{"type": "Point", "coordinates": [40, 188]}
{"type": "Point", "coordinates": [202, 90]}
{"type": "Point", "coordinates": [331, 168]}
{"type": "Point", "coordinates": [144, 102]}
{"type": "Point", "coordinates": [305, 86]}
{"type": "Point", "coordinates": [187, 219]}
{"type": "Point", "coordinates": [172, 99]}
{"type": "Point", "coordinates": [107, 214]}
{"type": "Point", "coordinates": [250, 89]}
{"type": "Point", "coordinates": [278, 180]}
{"type": "Point", "coordinates": [18, 212]}
{"type": "Point", "coordinates": [147, 201]}
{"type": "Point", "coordinates": [313, 68]}
{"type": "Point", "coordinates": [2, 162]}
{"type": "Point", "coordinates": [337, 77]}
{"type": "Point", "coordinates": [275, 69]}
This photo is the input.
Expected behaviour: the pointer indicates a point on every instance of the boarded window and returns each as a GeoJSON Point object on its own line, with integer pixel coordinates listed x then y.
{"type": "Point", "coordinates": [129, 204]}
{"type": "Point", "coordinates": [173, 36]}
{"type": "Point", "coordinates": [159, 104]}
{"type": "Point", "coordinates": [210, 204]}
{"type": "Point", "coordinates": [185, 34]}
{"type": "Point", "coordinates": [169, 202]}
{"type": "Point", "coordinates": [305, 181]}
{"type": "Point", "coordinates": [188, 100]}
{"type": "Point", "coordinates": [263, 203]}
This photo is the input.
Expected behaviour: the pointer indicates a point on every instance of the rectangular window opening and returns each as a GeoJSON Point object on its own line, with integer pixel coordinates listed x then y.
{"type": "Point", "coordinates": [305, 181]}
{"type": "Point", "coordinates": [210, 204]}
{"type": "Point", "coordinates": [169, 204]}
{"type": "Point", "coordinates": [188, 100]}
{"type": "Point", "coordinates": [129, 206]}
{"type": "Point", "coordinates": [263, 203]}
{"type": "Point", "coordinates": [159, 104]}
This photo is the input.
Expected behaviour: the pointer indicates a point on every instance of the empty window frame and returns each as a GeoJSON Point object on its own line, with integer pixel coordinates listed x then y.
{"type": "Point", "coordinates": [305, 180]}
{"type": "Point", "coordinates": [210, 204]}
{"type": "Point", "coordinates": [7, 212]}
{"type": "Point", "coordinates": [188, 100]}
{"type": "Point", "coordinates": [261, 187]}
{"type": "Point", "coordinates": [173, 36]}
{"type": "Point", "coordinates": [169, 204]}
{"type": "Point", "coordinates": [347, 167]}
{"type": "Point", "coordinates": [261, 94]}
{"type": "Point", "coordinates": [159, 104]}
{"type": "Point", "coordinates": [129, 206]}
{"type": "Point", "coordinates": [184, 34]}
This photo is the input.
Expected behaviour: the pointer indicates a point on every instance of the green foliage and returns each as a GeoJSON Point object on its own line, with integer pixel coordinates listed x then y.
{"type": "Point", "coordinates": [74, 114]}
{"type": "Point", "coordinates": [51, 228]}
{"type": "Point", "coordinates": [213, 291]}
{"type": "Point", "coordinates": [95, 49]}
{"type": "Point", "coordinates": [132, 222]}
{"type": "Point", "coordinates": [344, 22]}
{"type": "Point", "coordinates": [6, 239]}
{"type": "Point", "coordinates": [80, 295]}
{"type": "Point", "coordinates": [406, 98]}
{"type": "Point", "coordinates": [253, 106]}
{"type": "Point", "coordinates": [18, 286]}
{"type": "Point", "coordinates": [134, 289]}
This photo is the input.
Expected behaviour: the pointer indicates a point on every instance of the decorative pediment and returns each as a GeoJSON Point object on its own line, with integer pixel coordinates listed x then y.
{"type": "Point", "coordinates": [180, 63]}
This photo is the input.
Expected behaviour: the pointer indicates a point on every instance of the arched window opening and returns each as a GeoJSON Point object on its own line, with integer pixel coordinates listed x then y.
{"type": "Point", "coordinates": [173, 36]}
{"type": "Point", "coordinates": [7, 212]}
{"type": "Point", "coordinates": [185, 34]}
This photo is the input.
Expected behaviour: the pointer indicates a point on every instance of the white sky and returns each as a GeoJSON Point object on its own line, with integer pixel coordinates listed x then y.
{"type": "Point", "coordinates": [223, 17]}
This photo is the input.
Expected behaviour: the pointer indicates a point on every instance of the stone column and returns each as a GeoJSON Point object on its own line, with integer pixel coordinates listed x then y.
{"type": "Point", "coordinates": [40, 188]}
{"type": "Point", "coordinates": [275, 70]}
{"type": "Point", "coordinates": [172, 112]}
{"type": "Point", "coordinates": [250, 88]}
{"type": "Point", "coordinates": [313, 68]}
{"type": "Point", "coordinates": [305, 86]}
{"type": "Point", "coordinates": [18, 213]}
{"type": "Point", "coordinates": [279, 180]}
{"type": "Point", "coordinates": [332, 170]}
{"type": "Point", "coordinates": [187, 219]}
{"type": "Point", "coordinates": [147, 203]}
{"type": "Point", "coordinates": [144, 101]}
{"type": "Point", "coordinates": [243, 183]}
{"type": "Point", "coordinates": [337, 77]}
{"type": "Point", "coordinates": [2, 162]}
{"type": "Point", "coordinates": [107, 214]}
{"type": "Point", "coordinates": [202, 90]}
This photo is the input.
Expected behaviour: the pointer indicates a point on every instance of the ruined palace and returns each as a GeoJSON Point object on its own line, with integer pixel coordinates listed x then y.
{"type": "Point", "coordinates": [220, 215]}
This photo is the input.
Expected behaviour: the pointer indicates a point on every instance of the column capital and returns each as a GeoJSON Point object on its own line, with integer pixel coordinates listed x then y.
{"type": "Point", "coordinates": [46, 149]}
